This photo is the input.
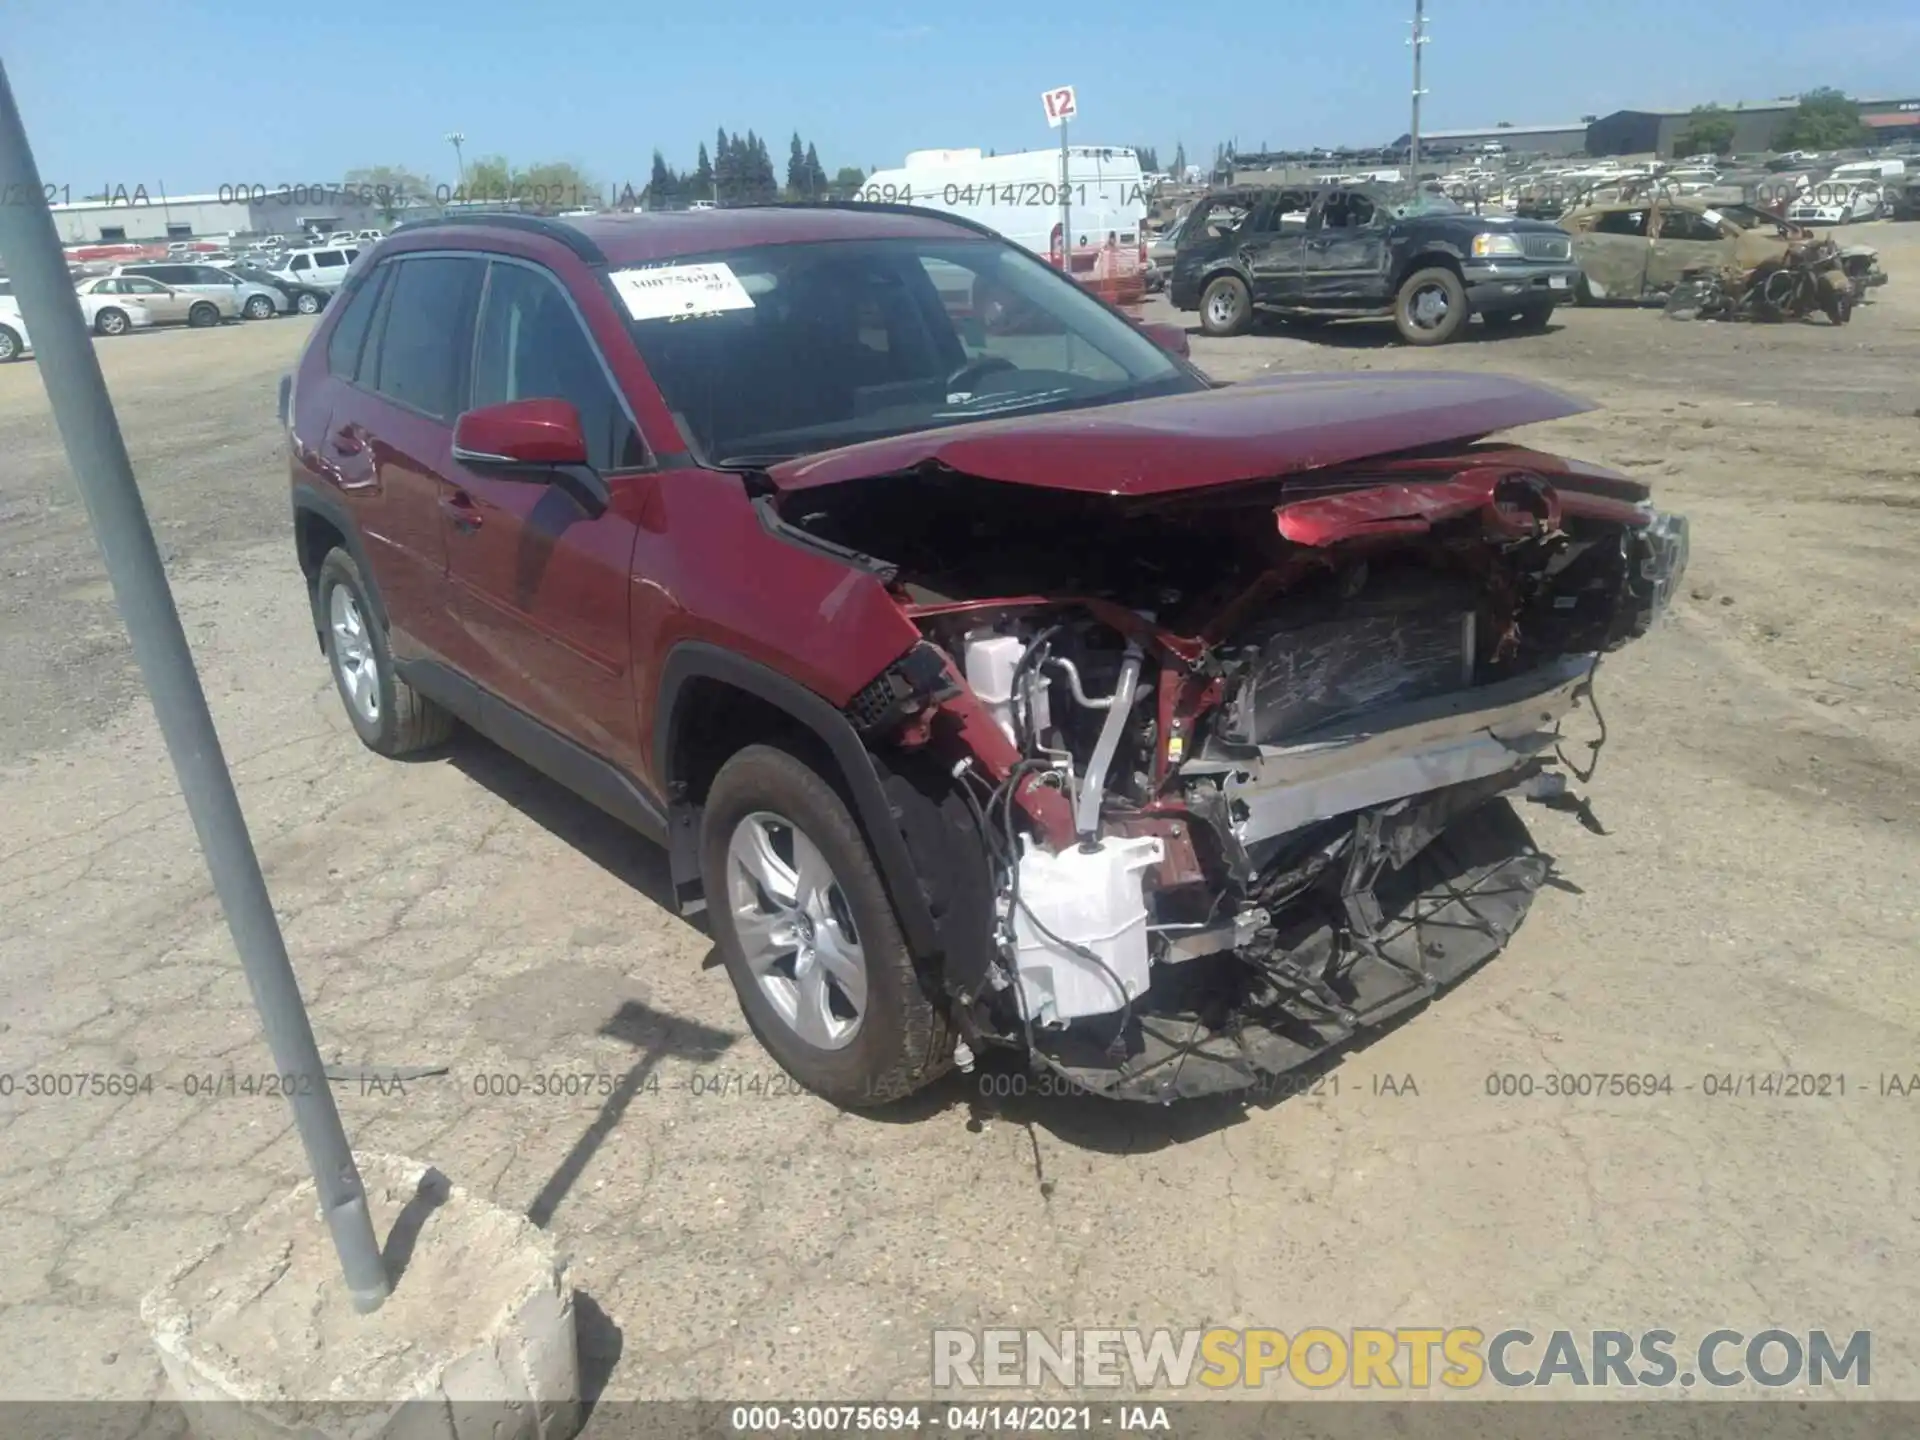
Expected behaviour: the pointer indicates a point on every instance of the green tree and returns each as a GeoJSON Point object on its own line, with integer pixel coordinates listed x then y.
{"type": "Point", "coordinates": [555, 185]}
{"type": "Point", "coordinates": [700, 186]}
{"type": "Point", "coordinates": [1824, 120]}
{"type": "Point", "coordinates": [489, 179]}
{"type": "Point", "coordinates": [847, 179]}
{"type": "Point", "coordinates": [1146, 155]}
{"type": "Point", "coordinates": [393, 187]}
{"type": "Point", "coordinates": [1709, 127]}
{"type": "Point", "coordinates": [726, 167]}
{"type": "Point", "coordinates": [663, 186]}
{"type": "Point", "coordinates": [1179, 158]}
{"type": "Point", "coordinates": [816, 176]}
{"type": "Point", "coordinates": [796, 168]}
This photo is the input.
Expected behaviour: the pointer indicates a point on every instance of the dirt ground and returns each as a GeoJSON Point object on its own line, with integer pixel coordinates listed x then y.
{"type": "Point", "coordinates": [1750, 909]}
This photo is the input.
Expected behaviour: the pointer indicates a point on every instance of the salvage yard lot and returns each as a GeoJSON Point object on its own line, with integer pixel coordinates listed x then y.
{"type": "Point", "coordinates": [1751, 909]}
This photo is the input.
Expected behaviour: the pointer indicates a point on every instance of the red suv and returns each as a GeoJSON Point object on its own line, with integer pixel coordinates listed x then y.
{"type": "Point", "coordinates": [992, 677]}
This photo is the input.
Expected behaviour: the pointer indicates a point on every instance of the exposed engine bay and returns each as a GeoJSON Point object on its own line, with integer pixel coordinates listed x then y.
{"type": "Point", "coordinates": [1235, 765]}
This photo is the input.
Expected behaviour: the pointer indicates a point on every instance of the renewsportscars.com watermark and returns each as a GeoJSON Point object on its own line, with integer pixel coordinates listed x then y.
{"type": "Point", "coordinates": [1403, 1358]}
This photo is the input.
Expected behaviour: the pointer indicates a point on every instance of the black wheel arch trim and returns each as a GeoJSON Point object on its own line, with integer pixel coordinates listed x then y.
{"type": "Point", "coordinates": [698, 660]}
{"type": "Point", "coordinates": [311, 500]}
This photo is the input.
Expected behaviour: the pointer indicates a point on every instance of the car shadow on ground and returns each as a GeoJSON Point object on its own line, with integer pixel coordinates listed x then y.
{"type": "Point", "coordinates": [609, 843]}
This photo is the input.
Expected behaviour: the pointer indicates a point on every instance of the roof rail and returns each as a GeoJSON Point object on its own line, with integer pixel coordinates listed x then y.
{"type": "Point", "coordinates": [567, 235]}
{"type": "Point", "coordinates": [864, 206]}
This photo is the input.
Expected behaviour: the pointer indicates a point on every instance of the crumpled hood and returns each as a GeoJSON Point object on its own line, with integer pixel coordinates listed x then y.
{"type": "Point", "coordinates": [1259, 429]}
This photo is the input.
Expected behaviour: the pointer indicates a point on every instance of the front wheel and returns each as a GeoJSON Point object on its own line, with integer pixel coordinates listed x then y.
{"type": "Point", "coordinates": [1226, 306]}
{"type": "Point", "coordinates": [1431, 307]}
{"type": "Point", "coordinates": [307, 303]}
{"type": "Point", "coordinates": [9, 345]}
{"type": "Point", "coordinates": [809, 937]}
{"type": "Point", "coordinates": [203, 315]}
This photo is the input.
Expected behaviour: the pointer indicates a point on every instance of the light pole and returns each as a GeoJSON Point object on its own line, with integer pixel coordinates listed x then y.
{"type": "Point", "coordinates": [1419, 39]}
{"type": "Point", "coordinates": [456, 139]}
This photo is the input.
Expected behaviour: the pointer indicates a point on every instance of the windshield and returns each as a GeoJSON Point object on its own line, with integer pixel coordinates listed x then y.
{"type": "Point", "coordinates": [781, 350]}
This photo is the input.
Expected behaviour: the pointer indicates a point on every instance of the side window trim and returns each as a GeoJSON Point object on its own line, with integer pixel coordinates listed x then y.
{"type": "Point", "coordinates": [649, 461]}
{"type": "Point", "coordinates": [375, 282]}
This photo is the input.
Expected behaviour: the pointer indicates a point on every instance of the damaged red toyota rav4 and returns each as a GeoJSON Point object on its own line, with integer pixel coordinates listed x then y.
{"type": "Point", "coordinates": [992, 677]}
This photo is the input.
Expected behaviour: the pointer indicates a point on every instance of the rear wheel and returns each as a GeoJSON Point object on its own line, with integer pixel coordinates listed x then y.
{"type": "Point", "coordinates": [1431, 307]}
{"type": "Point", "coordinates": [809, 937]}
{"type": "Point", "coordinates": [307, 303]}
{"type": "Point", "coordinates": [1226, 306]}
{"type": "Point", "coordinates": [111, 321]}
{"type": "Point", "coordinates": [203, 314]}
{"type": "Point", "coordinates": [9, 345]}
{"type": "Point", "coordinates": [258, 307]}
{"type": "Point", "coordinates": [389, 715]}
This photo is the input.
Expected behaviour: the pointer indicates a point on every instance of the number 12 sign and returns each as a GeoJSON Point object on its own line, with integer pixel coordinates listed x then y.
{"type": "Point", "coordinates": [1061, 106]}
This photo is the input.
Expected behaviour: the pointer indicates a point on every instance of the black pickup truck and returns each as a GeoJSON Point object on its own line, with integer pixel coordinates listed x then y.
{"type": "Point", "coordinates": [1327, 252]}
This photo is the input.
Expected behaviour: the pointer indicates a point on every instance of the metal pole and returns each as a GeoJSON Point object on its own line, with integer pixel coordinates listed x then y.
{"type": "Point", "coordinates": [1419, 39]}
{"type": "Point", "coordinates": [71, 372]}
{"type": "Point", "coordinates": [1066, 205]}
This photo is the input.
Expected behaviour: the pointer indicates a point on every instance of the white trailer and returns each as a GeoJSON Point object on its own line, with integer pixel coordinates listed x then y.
{"type": "Point", "coordinates": [1019, 197]}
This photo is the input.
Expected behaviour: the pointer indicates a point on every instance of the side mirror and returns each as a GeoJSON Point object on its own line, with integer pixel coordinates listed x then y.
{"type": "Point", "coordinates": [1170, 338]}
{"type": "Point", "coordinates": [539, 441]}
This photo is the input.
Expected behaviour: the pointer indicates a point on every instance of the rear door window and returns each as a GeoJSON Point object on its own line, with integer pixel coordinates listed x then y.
{"type": "Point", "coordinates": [427, 333]}
{"type": "Point", "coordinates": [349, 336]}
{"type": "Point", "coordinates": [531, 347]}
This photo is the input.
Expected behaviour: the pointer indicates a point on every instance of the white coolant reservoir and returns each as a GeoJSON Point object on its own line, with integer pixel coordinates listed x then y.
{"type": "Point", "coordinates": [991, 662]}
{"type": "Point", "coordinates": [1095, 900]}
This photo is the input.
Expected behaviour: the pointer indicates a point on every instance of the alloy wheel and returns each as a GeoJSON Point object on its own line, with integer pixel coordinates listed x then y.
{"type": "Point", "coordinates": [796, 930]}
{"type": "Point", "coordinates": [355, 665]}
{"type": "Point", "coordinates": [1427, 307]}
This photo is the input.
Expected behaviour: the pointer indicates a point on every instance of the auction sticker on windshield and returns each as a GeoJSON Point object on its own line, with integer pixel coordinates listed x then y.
{"type": "Point", "coordinates": [667, 291]}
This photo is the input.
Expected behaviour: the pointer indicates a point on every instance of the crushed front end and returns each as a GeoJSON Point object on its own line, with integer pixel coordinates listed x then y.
{"type": "Point", "coordinates": [1206, 784]}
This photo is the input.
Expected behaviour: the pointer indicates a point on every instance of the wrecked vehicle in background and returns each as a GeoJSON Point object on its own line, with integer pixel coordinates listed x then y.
{"type": "Point", "coordinates": [1810, 277]}
{"type": "Point", "coordinates": [993, 678]}
{"type": "Point", "coordinates": [1378, 249]}
{"type": "Point", "coordinates": [1639, 250]}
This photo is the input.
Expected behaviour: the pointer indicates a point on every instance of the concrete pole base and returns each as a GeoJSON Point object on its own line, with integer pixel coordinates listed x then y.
{"type": "Point", "coordinates": [260, 1338]}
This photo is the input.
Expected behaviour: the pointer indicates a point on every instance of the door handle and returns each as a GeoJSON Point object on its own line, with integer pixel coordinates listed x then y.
{"type": "Point", "coordinates": [461, 510]}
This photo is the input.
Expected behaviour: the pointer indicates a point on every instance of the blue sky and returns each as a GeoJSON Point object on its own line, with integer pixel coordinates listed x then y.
{"type": "Point", "coordinates": [196, 93]}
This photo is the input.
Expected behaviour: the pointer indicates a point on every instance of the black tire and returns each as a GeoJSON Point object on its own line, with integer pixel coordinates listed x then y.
{"type": "Point", "coordinates": [1838, 305]}
{"type": "Point", "coordinates": [307, 303]}
{"type": "Point", "coordinates": [1226, 306]}
{"type": "Point", "coordinates": [202, 314]}
{"type": "Point", "coordinates": [403, 720]}
{"type": "Point", "coordinates": [258, 307]}
{"type": "Point", "coordinates": [904, 1040]}
{"type": "Point", "coordinates": [110, 321]}
{"type": "Point", "coordinates": [1583, 292]}
{"type": "Point", "coordinates": [1436, 282]}
{"type": "Point", "coordinates": [10, 346]}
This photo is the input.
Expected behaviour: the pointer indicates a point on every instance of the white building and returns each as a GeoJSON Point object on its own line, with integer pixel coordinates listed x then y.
{"type": "Point", "coordinates": [135, 216]}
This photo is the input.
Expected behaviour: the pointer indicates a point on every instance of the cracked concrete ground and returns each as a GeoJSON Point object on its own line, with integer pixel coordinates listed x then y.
{"type": "Point", "coordinates": [1751, 909]}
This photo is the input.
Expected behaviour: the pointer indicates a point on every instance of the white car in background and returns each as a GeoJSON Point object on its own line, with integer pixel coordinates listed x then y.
{"type": "Point", "coordinates": [14, 342]}
{"type": "Point", "coordinates": [115, 304]}
{"type": "Point", "coordinates": [136, 316]}
{"type": "Point", "coordinates": [1830, 204]}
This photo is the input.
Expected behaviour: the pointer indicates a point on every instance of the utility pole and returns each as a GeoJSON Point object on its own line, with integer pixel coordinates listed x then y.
{"type": "Point", "coordinates": [1419, 39]}
{"type": "Point", "coordinates": [83, 412]}
{"type": "Point", "coordinates": [456, 139]}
